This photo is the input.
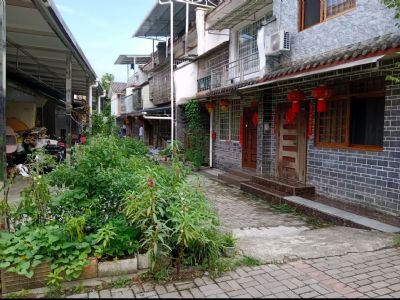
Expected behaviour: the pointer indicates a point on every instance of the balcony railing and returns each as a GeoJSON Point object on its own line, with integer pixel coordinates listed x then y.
{"type": "Point", "coordinates": [204, 83]}
{"type": "Point", "coordinates": [131, 103]}
{"type": "Point", "coordinates": [237, 71]}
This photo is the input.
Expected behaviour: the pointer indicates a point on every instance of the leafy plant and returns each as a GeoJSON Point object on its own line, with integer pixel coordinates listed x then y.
{"type": "Point", "coordinates": [122, 282]}
{"type": "Point", "coordinates": [195, 150]}
{"type": "Point", "coordinates": [229, 240]}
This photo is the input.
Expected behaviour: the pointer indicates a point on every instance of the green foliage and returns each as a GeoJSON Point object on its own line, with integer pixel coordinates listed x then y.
{"type": "Point", "coordinates": [122, 282]}
{"type": "Point", "coordinates": [106, 80]}
{"type": "Point", "coordinates": [284, 208]}
{"type": "Point", "coordinates": [117, 239]}
{"type": "Point", "coordinates": [27, 248]}
{"type": "Point", "coordinates": [229, 240]}
{"type": "Point", "coordinates": [195, 152]}
{"type": "Point", "coordinates": [397, 240]}
{"type": "Point", "coordinates": [103, 125]}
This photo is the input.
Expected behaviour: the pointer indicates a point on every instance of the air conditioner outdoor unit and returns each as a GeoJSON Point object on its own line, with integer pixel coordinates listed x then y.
{"type": "Point", "coordinates": [277, 42]}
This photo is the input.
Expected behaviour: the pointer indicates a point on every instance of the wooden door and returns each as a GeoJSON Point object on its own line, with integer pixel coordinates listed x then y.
{"type": "Point", "coordinates": [292, 145]}
{"type": "Point", "coordinates": [249, 150]}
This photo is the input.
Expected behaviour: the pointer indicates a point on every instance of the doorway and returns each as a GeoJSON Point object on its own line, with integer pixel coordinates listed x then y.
{"type": "Point", "coordinates": [292, 144]}
{"type": "Point", "coordinates": [249, 149]}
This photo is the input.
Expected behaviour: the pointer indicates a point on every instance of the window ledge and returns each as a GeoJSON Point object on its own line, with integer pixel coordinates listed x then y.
{"type": "Point", "coordinates": [354, 147]}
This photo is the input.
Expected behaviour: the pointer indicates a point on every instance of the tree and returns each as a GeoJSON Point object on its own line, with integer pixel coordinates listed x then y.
{"type": "Point", "coordinates": [106, 80]}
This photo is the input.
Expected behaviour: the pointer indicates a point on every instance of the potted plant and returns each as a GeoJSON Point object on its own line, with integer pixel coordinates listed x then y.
{"type": "Point", "coordinates": [229, 242]}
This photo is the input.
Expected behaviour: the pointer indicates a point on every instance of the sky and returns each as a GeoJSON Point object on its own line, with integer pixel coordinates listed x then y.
{"type": "Point", "coordinates": [104, 29]}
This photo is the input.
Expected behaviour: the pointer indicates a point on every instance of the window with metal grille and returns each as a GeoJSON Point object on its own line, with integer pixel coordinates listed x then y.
{"type": "Point", "coordinates": [223, 123]}
{"type": "Point", "coordinates": [354, 116]}
{"type": "Point", "coordinates": [316, 11]}
{"type": "Point", "coordinates": [248, 39]}
{"type": "Point", "coordinates": [229, 122]}
{"type": "Point", "coordinates": [235, 120]}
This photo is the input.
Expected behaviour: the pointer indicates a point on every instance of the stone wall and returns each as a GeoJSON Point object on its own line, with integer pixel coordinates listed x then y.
{"type": "Point", "coordinates": [369, 19]}
{"type": "Point", "coordinates": [368, 178]}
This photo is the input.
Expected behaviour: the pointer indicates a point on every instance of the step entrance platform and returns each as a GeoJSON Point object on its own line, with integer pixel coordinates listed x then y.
{"type": "Point", "coordinates": [341, 215]}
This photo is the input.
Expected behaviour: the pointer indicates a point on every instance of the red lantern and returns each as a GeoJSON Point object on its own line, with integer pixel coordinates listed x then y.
{"type": "Point", "coordinates": [214, 136]}
{"type": "Point", "coordinates": [210, 106]}
{"type": "Point", "coordinates": [224, 103]}
{"type": "Point", "coordinates": [295, 97]}
{"type": "Point", "coordinates": [290, 116]}
{"type": "Point", "coordinates": [322, 93]}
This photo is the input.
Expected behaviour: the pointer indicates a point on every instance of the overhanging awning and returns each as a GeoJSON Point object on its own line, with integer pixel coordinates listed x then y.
{"type": "Point", "coordinates": [231, 13]}
{"type": "Point", "coordinates": [157, 23]}
{"type": "Point", "coordinates": [38, 43]}
{"type": "Point", "coordinates": [133, 59]}
{"type": "Point", "coordinates": [318, 71]}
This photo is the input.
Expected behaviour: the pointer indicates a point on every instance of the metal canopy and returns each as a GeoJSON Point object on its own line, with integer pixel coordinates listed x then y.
{"type": "Point", "coordinates": [156, 24]}
{"type": "Point", "coordinates": [229, 14]}
{"type": "Point", "coordinates": [133, 59]}
{"type": "Point", "coordinates": [38, 43]}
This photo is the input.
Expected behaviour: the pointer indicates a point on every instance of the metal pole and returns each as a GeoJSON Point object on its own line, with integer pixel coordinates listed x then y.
{"type": "Point", "coordinates": [68, 104]}
{"type": "Point", "coordinates": [187, 29]}
{"type": "Point", "coordinates": [211, 141]}
{"type": "Point", "coordinates": [3, 124]}
{"type": "Point", "coordinates": [172, 73]}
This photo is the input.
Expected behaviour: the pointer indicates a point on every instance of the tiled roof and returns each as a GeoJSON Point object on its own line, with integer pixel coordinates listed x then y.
{"type": "Point", "coordinates": [118, 87]}
{"type": "Point", "coordinates": [369, 48]}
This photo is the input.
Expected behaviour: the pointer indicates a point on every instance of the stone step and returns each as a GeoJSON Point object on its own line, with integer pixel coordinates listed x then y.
{"type": "Point", "coordinates": [338, 216]}
{"type": "Point", "coordinates": [232, 179]}
{"type": "Point", "coordinates": [242, 173]}
{"type": "Point", "coordinates": [271, 195]}
{"type": "Point", "coordinates": [285, 186]}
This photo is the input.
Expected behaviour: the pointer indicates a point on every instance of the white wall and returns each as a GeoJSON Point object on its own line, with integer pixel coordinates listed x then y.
{"type": "Point", "coordinates": [115, 105]}
{"type": "Point", "coordinates": [208, 39]}
{"type": "Point", "coordinates": [185, 80]}
{"type": "Point", "coordinates": [146, 97]}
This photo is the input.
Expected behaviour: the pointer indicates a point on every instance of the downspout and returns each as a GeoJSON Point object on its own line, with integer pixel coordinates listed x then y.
{"type": "Point", "coordinates": [211, 137]}
{"type": "Point", "coordinates": [99, 101]}
{"type": "Point", "coordinates": [91, 104]}
{"type": "Point", "coordinates": [187, 29]}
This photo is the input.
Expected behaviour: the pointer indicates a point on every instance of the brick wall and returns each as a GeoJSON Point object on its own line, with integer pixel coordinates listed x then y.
{"type": "Point", "coordinates": [228, 154]}
{"type": "Point", "coordinates": [368, 178]}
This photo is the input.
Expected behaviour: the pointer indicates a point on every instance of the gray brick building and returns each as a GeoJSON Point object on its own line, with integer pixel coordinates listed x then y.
{"type": "Point", "coordinates": [349, 152]}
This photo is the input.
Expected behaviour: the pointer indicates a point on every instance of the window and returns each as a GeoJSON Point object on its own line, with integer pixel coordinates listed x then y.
{"type": "Point", "coordinates": [229, 122]}
{"type": "Point", "coordinates": [316, 11]}
{"type": "Point", "coordinates": [248, 39]}
{"type": "Point", "coordinates": [354, 116]}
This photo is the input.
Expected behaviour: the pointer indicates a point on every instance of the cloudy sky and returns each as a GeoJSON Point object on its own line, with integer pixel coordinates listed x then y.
{"type": "Point", "coordinates": [104, 29]}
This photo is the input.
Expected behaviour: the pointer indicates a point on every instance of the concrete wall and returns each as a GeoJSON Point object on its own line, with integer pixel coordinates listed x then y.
{"type": "Point", "coordinates": [146, 97]}
{"type": "Point", "coordinates": [185, 79]}
{"type": "Point", "coordinates": [115, 105]}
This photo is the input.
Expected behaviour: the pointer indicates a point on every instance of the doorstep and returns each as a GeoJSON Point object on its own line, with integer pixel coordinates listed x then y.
{"type": "Point", "coordinates": [344, 216]}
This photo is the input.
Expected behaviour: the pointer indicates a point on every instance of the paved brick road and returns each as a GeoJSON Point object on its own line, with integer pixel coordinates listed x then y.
{"type": "Point", "coordinates": [361, 275]}
{"type": "Point", "coordinates": [351, 275]}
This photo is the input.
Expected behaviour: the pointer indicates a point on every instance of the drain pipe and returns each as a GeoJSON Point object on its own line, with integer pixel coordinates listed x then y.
{"type": "Point", "coordinates": [91, 104]}
{"type": "Point", "coordinates": [211, 137]}
{"type": "Point", "coordinates": [99, 101]}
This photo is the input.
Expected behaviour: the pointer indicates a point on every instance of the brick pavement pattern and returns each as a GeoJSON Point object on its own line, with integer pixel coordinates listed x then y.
{"type": "Point", "coordinates": [356, 275]}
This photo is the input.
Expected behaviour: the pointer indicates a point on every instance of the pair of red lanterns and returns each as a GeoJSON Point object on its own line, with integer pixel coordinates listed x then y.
{"type": "Point", "coordinates": [322, 93]}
